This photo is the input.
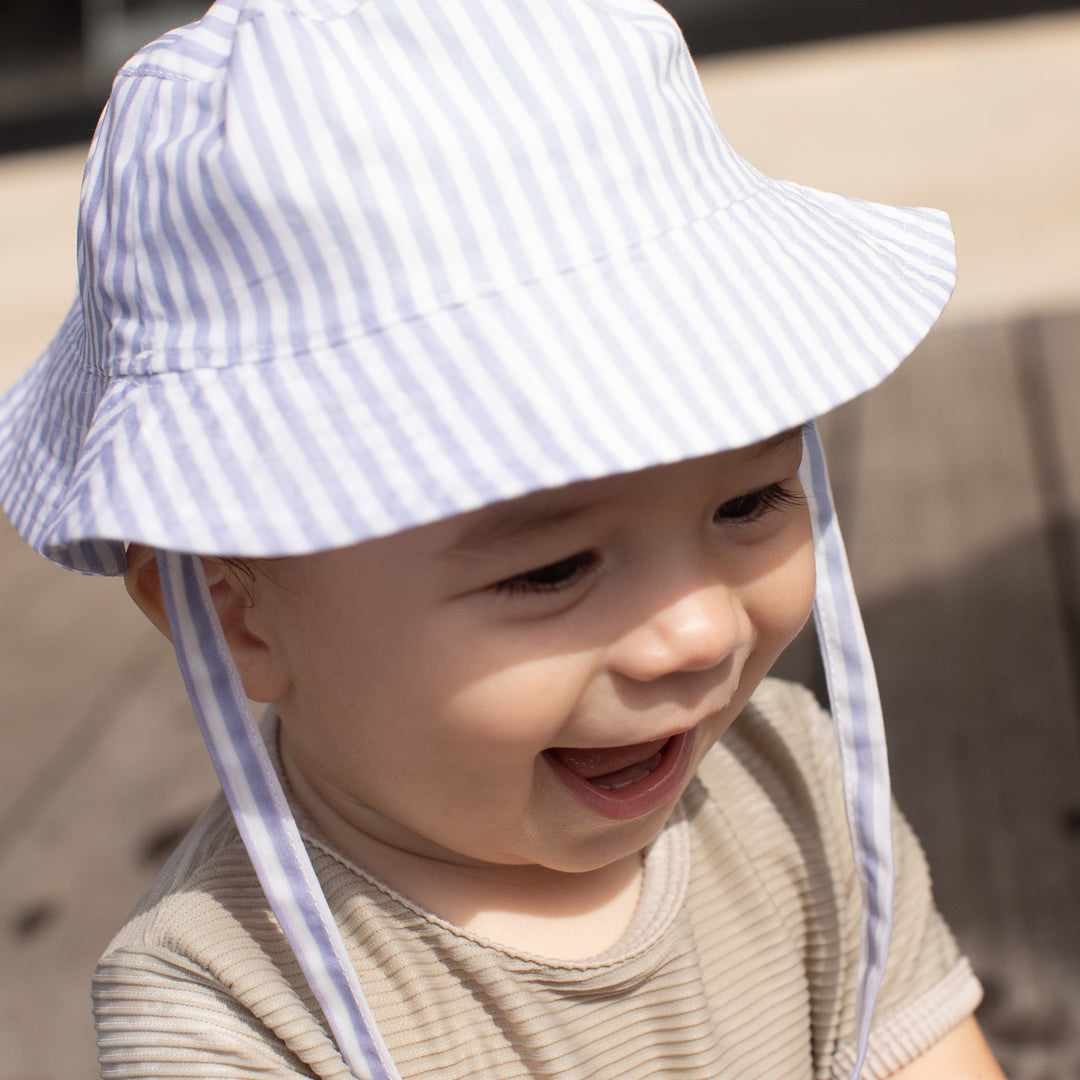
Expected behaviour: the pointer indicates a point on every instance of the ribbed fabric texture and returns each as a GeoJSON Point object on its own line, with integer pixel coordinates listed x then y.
{"type": "Point", "coordinates": [741, 960]}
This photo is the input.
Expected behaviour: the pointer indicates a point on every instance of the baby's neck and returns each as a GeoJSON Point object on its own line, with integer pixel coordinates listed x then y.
{"type": "Point", "coordinates": [529, 909]}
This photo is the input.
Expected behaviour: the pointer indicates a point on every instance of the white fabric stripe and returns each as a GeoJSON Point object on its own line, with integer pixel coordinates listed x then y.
{"type": "Point", "coordinates": [492, 144]}
{"type": "Point", "coordinates": [255, 253]}
{"type": "Point", "coordinates": [644, 330]}
{"type": "Point", "coordinates": [146, 483]}
{"type": "Point", "coordinates": [674, 277]}
{"type": "Point", "coordinates": [624, 149]}
{"type": "Point", "coordinates": [263, 817]}
{"type": "Point", "coordinates": [164, 283]}
{"type": "Point", "coordinates": [683, 179]}
{"type": "Point", "coordinates": [492, 427]}
{"type": "Point", "coordinates": [913, 248]}
{"type": "Point", "coordinates": [596, 359]}
{"type": "Point", "coordinates": [558, 48]}
{"type": "Point", "coordinates": [585, 425]}
{"type": "Point", "coordinates": [378, 445]}
{"type": "Point", "coordinates": [757, 322]}
{"type": "Point", "coordinates": [220, 434]}
{"type": "Point", "coordinates": [654, 194]}
{"type": "Point", "coordinates": [270, 180]}
{"type": "Point", "coordinates": [298, 451]}
{"type": "Point", "coordinates": [501, 54]}
{"type": "Point", "coordinates": [799, 314]}
{"type": "Point", "coordinates": [866, 305]}
{"type": "Point", "coordinates": [402, 182]}
{"type": "Point", "coordinates": [388, 376]}
{"type": "Point", "coordinates": [334, 189]}
{"type": "Point", "coordinates": [32, 399]}
{"type": "Point", "coordinates": [216, 244]}
{"type": "Point", "coordinates": [195, 307]}
{"type": "Point", "coordinates": [350, 485]}
{"type": "Point", "coordinates": [860, 729]}
{"type": "Point", "coordinates": [459, 179]}
{"type": "Point", "coordinates": [105, 243]}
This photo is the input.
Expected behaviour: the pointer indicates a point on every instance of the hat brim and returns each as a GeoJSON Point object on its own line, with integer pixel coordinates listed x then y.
{"type": "Point", "coordinates": [711, 336]}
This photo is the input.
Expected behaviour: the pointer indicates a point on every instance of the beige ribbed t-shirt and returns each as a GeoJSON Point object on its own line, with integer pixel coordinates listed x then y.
{"type": "Point", "coordinates": [740, 961]}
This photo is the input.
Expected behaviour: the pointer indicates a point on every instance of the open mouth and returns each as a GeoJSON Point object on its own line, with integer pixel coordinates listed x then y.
{"type": "Point", "coordinates": [624, 782]}
{"type": "Point", "coordinates": [612, 767]}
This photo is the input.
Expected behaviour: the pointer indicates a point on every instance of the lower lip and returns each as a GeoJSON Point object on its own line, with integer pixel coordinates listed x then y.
{"type": "Point", "coordinates": [642, 797]}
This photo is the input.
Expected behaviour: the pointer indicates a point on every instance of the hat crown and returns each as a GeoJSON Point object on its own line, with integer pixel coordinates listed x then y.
{"type": "Point", "coordinates": [313, 172]}
{"type": "Point", "coordinates": [348, 268]}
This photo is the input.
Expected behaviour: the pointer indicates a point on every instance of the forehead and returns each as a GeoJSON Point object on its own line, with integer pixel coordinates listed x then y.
{"type": "Point", "coordinates": [394, 562]}
{"type": "Point", "coordinates": [503, 522]}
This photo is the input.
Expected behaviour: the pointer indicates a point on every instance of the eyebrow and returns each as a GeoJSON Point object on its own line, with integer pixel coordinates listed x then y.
{"type": "Point", "coordinates": [504, 523]}
{"type": "Point", "coordinates": [780, 442]}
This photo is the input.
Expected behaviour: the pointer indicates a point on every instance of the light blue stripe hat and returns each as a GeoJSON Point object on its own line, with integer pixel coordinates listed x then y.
{"type": "Point", "coordinates": [351, 267]}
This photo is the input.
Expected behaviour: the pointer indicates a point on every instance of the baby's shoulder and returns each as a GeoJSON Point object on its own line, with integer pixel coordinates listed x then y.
{"type": "Point", "coordinates": [202, 954]}
{"type": "Point", "coordinates": [208, 880]}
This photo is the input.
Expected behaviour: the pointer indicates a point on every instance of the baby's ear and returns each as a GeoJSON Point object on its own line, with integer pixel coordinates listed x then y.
{"type": "Point", "coordinates": [232, 591]}
{"type": "Point", "coordinates": [143, 584]}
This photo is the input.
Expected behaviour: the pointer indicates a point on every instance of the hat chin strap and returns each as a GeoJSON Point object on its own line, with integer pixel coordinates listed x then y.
{"type": "Point", "coordinates": [263, 816]}
{"type": "Point", "coordinates": [856, 710]}
{"type": "Point", "coordinates": [281, 862]}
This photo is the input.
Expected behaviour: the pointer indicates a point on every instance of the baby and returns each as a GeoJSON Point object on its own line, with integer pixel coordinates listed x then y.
{"type": "Point", "coordinates": [442, 378]}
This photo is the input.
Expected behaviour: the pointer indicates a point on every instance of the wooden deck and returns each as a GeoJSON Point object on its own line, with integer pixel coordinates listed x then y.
{"type": "Point", "coordinates": [959, 486]}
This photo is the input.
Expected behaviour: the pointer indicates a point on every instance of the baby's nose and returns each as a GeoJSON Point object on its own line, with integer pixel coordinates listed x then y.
{"type": "Point", "coordinates": [694, 632]}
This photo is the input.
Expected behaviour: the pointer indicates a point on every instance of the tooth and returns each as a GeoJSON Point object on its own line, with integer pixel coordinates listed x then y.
{"type": "Point", "coordinates": [630, 775]}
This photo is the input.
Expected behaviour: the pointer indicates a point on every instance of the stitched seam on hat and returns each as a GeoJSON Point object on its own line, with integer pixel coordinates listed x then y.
{"type": "Point", "coordinates": [154, 71]}
{"type": "Point", "coordinates": [350, 334]}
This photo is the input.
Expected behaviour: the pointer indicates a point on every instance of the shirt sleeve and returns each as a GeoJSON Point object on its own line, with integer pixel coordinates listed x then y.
{"type": "Point", "coordinates": [200, 982]}
{"type": "Point", "coordinates": [928, 987]}
{"type": "Point", "coordinates": [158, 1016]}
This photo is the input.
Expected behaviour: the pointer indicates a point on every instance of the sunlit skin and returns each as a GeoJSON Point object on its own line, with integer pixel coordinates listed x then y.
{"type": "Point", "coordinates": [422, 679]}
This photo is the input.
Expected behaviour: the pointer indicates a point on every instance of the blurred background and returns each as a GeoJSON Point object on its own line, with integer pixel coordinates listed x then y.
{"type": "Point", "coordinates": [958, 484]}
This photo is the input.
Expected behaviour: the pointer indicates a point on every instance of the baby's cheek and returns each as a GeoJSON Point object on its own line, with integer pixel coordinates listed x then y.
{"type": "Point", "coordinates": [524, 705]}
{"type": "Point", "coordinates": [782, 603]}
{"type": "Point", "coordinates": [801, 592]}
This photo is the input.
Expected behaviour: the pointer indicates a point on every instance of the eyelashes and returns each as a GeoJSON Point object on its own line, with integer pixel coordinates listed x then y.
{"type": "Point", "coordinates": [552, 577]}
{"type": "Point", "coordinates": [566, 573]}
{"type": "Point", "coordinates": [756, 504]}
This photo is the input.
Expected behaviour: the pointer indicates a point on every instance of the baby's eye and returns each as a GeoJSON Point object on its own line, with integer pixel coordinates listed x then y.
{"type": "Point", "coordinates": [552, 577]}
{"type": "Point", "coordinates": [755, 504]}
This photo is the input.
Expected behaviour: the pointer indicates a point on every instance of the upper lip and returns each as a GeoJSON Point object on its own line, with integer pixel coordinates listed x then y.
{"type": "Point", "coordinates": [657, 740]}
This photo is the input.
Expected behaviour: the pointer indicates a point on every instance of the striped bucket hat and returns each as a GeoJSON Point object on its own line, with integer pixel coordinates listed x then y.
{"type": "Point", "coordinates": [353, 266]}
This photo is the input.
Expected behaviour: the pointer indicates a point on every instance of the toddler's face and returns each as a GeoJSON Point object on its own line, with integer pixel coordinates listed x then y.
{"type": "Point", "coordinates": [534, 683]}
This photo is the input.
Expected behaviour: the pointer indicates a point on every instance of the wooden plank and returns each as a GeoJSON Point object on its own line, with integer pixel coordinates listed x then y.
{"type": "Point", "coordinates": [67, 644]}
{"type": "Point", "coordinates": [102, 767]}
{"type": "Point", "coordinates": [1050, 378]}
